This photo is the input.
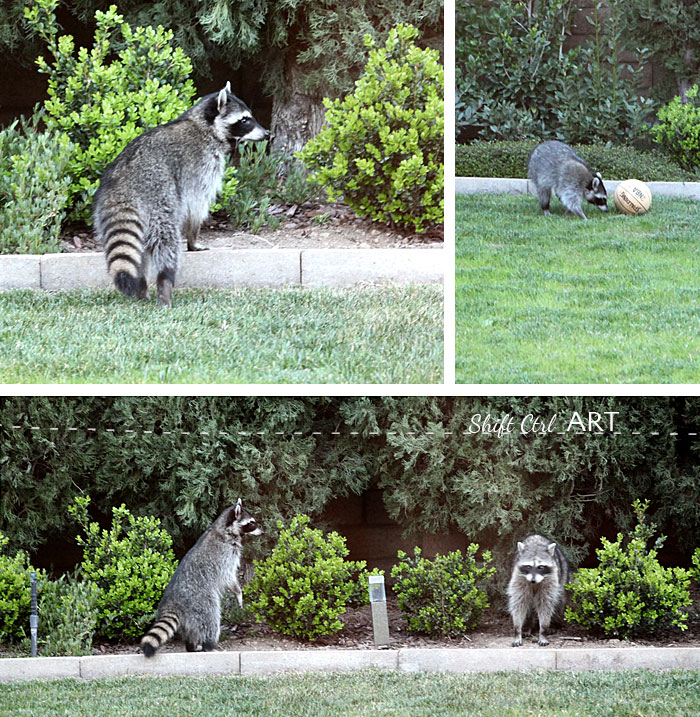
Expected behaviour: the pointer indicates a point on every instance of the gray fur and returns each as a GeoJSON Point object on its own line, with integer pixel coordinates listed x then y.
{"type": "Point", "coordinates": [555, 167]}
{"type": "Point", "coordinates": [191, 603]}
{"type": "Point", "coordinates": [540, 571]}
{"type": "Point", "coordinates": [158, 190]}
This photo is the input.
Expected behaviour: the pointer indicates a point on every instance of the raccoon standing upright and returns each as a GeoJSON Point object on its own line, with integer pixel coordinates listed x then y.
{"type": "Point", "coordinates": [554, 167]}
{"type": "Point", "coordinates": [540, 571]}
{"type": "Point", "coordinates": [158, 190]}
{"type": "Point", "coordinates": [191, 602]}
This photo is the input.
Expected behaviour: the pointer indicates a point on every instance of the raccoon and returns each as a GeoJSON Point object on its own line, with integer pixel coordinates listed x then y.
{"type": "Point", "coordinates": [191, 602]}
{"type": "Point", "coordinates": [540, 571]}
{"type": "Point", "coordinates": [554, 166]}
{"type": "Point", "coordinates": [159, 188]}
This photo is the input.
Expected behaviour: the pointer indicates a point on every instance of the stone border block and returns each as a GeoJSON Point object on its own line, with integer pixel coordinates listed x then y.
{"type": "Point", "coordinates": [165, 663]}
{"type": "Point", "coordinates": [490, 185]}
{"type": "Point", "coordinates": [495, 185]}
{"type": "Point", "coordinates": [61, 272]}
{"type": "Point", "coordinates": [476, 660]}
{"type": "Point", "coordinates": [630, 658]}
{"type": "Point", "coordinates": [20, 271]}
{"type": "Point", "coordinates": [261, 662]}
{"type": "Point", "coordinates": [226, 268]}
{"type": "Point", "coordinates": [38, 668]}
{"type": "Point", "coordinates": [348, 267]}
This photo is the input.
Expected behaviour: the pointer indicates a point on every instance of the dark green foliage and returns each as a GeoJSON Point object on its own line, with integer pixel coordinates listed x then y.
{"type": "Point", "coordinates": [324, 38]}
{"type": "Point", "coordinates": [184, 459]}
{"type": "Point", "coordinates": [509, 159]}
{"type": "Point", "coordinates": [444, 596]}
{"type": "Point", "coordinates": [103, 98]}
{"type": "Point", "coordinates": [15, 592]}
{"type": "Point", "coordinates": [306, 583]}
{"type": "Point", "coordinates": [68, 616]}
{"type": "Point", "coordinates": [678, 129]}
{"type": "Point", "coordinates": [34, 188]}
{"type": "Point", "coordinates": [130, 565]}
{"type": "Point", "coordinates": [514, 79]}
{"type": "Point", "coordinates": [629, 593]}
{"type": "Point", "coordinates": [381, 148]}
{"type": "Point", "coordinates": [670, 29]}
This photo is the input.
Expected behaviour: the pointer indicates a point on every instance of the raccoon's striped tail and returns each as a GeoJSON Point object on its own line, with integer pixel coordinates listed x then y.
{"type": "Point", "coordinates": [159, 634]}
{"type": "Point", "coordinates": [123, 242]}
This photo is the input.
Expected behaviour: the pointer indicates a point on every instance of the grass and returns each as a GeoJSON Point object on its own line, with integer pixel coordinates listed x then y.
{"type": "Point", "coordinates": [559, 300]}
{"type": "Point", "coordinates": [368, 335]}
{"type": "Point", "coordinates": [366, 693]}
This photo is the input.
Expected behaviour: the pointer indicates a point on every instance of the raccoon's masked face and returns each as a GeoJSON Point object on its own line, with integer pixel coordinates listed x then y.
{"type": "Point", "coordinates": [234, 121]}
{"type": "Point", "coordinates": [596, 194]}
{"type": "Point", "coordinates": [535, 568]}
{"type": "Point", "coordinates": [240, 524]}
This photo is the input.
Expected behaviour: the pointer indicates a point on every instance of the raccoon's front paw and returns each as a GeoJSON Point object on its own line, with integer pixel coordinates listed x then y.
{"type": "Point", "coordinates": [517, 642]}
{"type": "Point", "coordinates": [196, 246]}
{"type": "Point", "coordinates": [543, 641]}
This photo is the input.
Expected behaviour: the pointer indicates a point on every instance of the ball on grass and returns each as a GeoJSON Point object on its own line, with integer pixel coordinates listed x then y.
{"type": "Point", "coordinates": [632, 197]}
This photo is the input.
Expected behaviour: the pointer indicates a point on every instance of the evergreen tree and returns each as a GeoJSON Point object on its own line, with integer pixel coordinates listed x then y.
{"type": "Point", "coordinates": [305, 49]}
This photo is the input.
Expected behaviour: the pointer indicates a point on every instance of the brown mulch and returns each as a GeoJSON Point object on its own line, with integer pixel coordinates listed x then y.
{"type": "Point", "coordinates": [312, 225]}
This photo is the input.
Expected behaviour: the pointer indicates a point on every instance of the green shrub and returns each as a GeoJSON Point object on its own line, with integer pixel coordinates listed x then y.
{"type": "Point", "coordinates": [306, 583]}
{"type": "Point", "coordinates": [130, 564]}
{"type": "Point", "coordinates": [251, 189]}
{"type": "Point", "coordinates": [381, 148]}
{"type": "Point", "coordinates": [33, 188]}
{"type": "Point", "coordinates": [443, 596]}
{"type": "Point", "coordinates": [15, 593]}
{"type": "Point", "coordinates": [68, 614]}
{"type": "Point", "coordinates": [630, 593]}
{"type": "Point", "coordinates": [509, 159]}
{"type": "Point", "coordinates": [110, 94]}
{"type": "Point", "coordinates": [515, 77]}
{"type": "Point", "coordinates": [678, 129]}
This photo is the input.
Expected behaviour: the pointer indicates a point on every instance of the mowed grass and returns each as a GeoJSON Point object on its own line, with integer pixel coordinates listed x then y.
{"type": "Point", "coordinates": [554, 299]}
{"type": "Point", "coordinates": [366, 693]}
{"type": "Point", "coordinates": [390, 334]}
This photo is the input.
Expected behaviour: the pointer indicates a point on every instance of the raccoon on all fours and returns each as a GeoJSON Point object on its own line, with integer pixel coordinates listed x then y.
{"type": "Point", "coordinates": [158, 190]}
{"type": "Point", "coordinates": [554, 167]}
{"type": "Point", "coordinates": [540, 571]}
{"type": "Point", "coordinates": [191, 602]}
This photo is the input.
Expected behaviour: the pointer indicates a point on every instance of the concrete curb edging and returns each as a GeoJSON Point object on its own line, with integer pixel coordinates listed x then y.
{"type": "Point", "coordinates": [260, 662]}
{"type": "Point", "coordinates": [227, 268]}
{"type": "Point", "coordinates": [495, 185]}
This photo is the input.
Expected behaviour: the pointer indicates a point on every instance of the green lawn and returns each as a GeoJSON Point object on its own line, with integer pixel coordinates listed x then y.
{"type": "Point", "coordinates": [368, 335]}
{"type": "Point", "coordinates": [366, 693]}
{"type": "Point", "coordinates": [559, 300]}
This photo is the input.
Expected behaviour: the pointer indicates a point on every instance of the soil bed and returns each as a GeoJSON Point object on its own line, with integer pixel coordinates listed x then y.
{"type": "Point", "coordinates": [494, 630]}
{"type": "Point", "coordinates": [311, 225]}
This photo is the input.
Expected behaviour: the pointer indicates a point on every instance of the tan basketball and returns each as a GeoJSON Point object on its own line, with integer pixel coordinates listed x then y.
{"type": "Point", "coordinates": [632, 197]}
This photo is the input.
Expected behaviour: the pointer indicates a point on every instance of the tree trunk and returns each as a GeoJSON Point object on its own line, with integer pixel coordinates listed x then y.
{"type": "Point", "coordinates": [297, 115]}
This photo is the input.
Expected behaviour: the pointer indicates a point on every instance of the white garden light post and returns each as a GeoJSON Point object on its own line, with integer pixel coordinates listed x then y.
{"type": "Point", "coordinates": [380, 621]}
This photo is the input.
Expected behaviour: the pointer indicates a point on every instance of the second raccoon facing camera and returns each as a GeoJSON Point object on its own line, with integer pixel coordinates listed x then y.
{"type": "Point", "coordinates": [555, 167]}
{"type": "Point", "coordinates": [536, 588]}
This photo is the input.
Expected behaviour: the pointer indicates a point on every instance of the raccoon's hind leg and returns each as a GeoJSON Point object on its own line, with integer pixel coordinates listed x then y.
{"type": "Point", "coordinates": [544, 194]}
{"type": "Point", "coordinates": [166, 260]}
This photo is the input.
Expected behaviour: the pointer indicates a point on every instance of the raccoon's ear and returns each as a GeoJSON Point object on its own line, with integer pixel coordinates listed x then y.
{"type": "Point", "coordinates": [238, 509]}
{"type": "Point", "coordinates": [521, 547]}
{"type": "Point", "coordinates": [222, 99]}
{"type": "Point", "coordinates": [595, 184]}
{"type": "Point", "coordinates": [551, 547]}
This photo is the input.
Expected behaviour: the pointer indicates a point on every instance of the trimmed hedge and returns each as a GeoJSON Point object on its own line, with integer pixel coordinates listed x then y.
{"type": "Point", "coordinates": [509, 159]}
